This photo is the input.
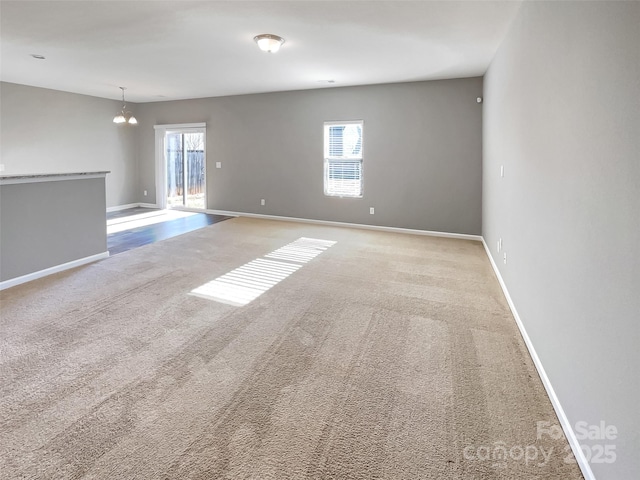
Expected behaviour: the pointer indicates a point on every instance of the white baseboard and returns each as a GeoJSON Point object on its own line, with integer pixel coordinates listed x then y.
{"type": "Point", "coordinates": [462, 236]}
{"type": "Point", "coordinates": [117, 208]}
{"type": "Point", "coordinates": [12, 282]}
{"type": "Point", "coordinates": [583, 463]}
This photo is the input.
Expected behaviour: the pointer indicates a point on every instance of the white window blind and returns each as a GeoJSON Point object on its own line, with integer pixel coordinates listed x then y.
{"type": "Point", "coordinates": [343, 159]}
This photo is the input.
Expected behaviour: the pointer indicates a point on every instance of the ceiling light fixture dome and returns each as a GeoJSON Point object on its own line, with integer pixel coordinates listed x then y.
{"type": "Point", "coordinates": [268, 42]}
{"type": "Point", "coordinates": [125, 116]}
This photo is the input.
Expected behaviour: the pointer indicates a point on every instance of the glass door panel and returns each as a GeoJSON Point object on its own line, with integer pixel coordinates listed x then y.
{"type": "Point", "coordinates": [194, 178]}
{"type": "Point", "coordinates": [186, 181]}
{"type": "Point", "coordinates": [175, 170]}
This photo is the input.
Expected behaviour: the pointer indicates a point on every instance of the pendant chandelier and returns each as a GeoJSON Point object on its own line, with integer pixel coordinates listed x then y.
{"type": "Point", "coordinates": [125, 116]}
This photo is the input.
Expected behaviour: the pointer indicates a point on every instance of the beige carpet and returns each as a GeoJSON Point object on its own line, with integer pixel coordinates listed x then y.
{"type": "Point", "coordinates": [386, 356]}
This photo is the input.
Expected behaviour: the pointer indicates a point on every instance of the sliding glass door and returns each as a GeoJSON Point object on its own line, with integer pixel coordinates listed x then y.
{"type": "Point", "coordinates": [185, 168]}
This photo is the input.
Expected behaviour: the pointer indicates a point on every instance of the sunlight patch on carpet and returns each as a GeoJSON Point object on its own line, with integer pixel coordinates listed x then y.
{"type": "Point", "coordinates": [246, 283]}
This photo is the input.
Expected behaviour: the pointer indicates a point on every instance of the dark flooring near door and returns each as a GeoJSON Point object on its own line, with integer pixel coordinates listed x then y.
{"type": "Point", "coordinates": [137, 236]}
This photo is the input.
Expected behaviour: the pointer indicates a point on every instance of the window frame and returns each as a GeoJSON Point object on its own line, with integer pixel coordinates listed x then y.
{"type": "Point", "coordinates": [328, 159]}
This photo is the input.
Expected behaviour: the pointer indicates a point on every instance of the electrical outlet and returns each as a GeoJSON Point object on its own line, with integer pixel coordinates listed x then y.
{"type": "Point", "coordinates": [145, 193]}
{"type": "Point", "coordinates": [262, 202]}
{"type": "Point", "coordinates": [218, 164]}
{"type": "Point", "coordinates": [1, 167]}
{"type": "Point", "coordinates": [372, 210]}
{"type": "Point", "coordinates": [502, 170]}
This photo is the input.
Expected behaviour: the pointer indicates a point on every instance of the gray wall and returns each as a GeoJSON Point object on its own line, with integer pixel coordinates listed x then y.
{"type": "Point", "coordinates": [47, 131]}
{"type": "Point", "coordinates": [46, 224]}
{"type": "Point", "coordinates": [561, 113]}
{"type": "Point", "coordinates": [422, 163]}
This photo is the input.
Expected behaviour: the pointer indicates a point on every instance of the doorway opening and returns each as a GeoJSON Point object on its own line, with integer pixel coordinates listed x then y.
{"type": "Point", "coordinates": [181, 167]}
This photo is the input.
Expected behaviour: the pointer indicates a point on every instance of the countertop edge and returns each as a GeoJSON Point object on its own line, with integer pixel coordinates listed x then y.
{"type": "Point", "coordinates": [49, 177]}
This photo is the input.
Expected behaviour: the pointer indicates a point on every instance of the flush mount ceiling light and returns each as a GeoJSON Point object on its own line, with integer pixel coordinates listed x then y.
{"type": "Point", "coordinates": [124, 116]}
{"type": "Point", "coordinates": [268, 42]}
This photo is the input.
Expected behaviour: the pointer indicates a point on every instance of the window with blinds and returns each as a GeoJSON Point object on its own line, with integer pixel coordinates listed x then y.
{"type": "Point", "coordinates": [343, 159]}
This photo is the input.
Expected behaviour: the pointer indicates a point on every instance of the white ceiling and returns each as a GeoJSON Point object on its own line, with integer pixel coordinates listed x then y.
{"type": "Point", "coordinates": [168, 50]}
